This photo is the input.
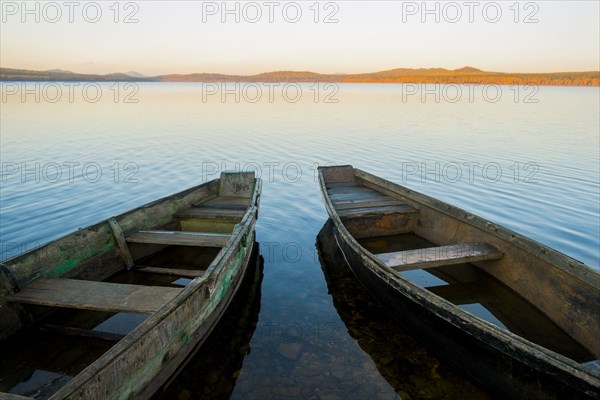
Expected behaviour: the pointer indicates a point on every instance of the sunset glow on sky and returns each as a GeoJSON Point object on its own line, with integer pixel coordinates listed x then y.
{"type": "Point", "coordinates": [159, 37]}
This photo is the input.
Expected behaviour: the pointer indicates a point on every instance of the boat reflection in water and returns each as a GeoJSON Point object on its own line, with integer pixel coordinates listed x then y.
{"type": "Point", "coordinates": [406, 365]}
{"type": "Point", "coordinates": [211, 372]}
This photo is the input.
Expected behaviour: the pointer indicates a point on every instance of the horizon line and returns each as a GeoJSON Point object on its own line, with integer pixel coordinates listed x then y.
{"type": "Point", "coordinates": [465, 68]}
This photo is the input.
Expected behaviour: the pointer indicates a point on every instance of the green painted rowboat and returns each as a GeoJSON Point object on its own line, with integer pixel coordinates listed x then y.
{"type": "Point", "coordinates": [134, 264]}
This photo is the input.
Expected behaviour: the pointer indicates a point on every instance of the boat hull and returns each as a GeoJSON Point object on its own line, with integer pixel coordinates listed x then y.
{"type": "Point", "coordinates": [498, 367]}
{"type": "Point", "coordinates": [505, 364]}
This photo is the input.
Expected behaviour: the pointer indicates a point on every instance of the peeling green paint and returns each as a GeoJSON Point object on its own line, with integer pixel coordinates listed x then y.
{"type": "Point", "coordinates": [153, 364]}
{"type": "Point", "coordinates": [71, 263]}
{"type": "Point", "coordinates": [63, 267]}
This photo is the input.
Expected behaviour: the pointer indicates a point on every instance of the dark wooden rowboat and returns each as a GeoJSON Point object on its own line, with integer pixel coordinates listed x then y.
{"type": "Point", "coordinates": [542, 338]}
{"type": "Point", "coordinates": [204, 235]}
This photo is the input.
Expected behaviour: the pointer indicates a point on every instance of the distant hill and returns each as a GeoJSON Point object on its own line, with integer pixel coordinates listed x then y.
{"type": "Point", "coordinates": [63, 71]}
{"type": "Point", "coordinates": [10, 74]}
{"type": "Point", "coordinates": [465, 75]}
{"type": "Point", "coordinates": [135, 74]}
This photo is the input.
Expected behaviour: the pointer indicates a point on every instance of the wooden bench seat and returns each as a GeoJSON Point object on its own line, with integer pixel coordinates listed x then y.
{"type": "Point", "coordinates": [179, 238]}
{"type": "Point", "coordinates": [438, 256]}
{"type": "Point", "coordinates": [377, 210]}
{"type": "Point", "coordinates": [210, 213]}
{"type": "Point", "coordinates": [367, 203]}
{"type": "Point", "coordinates": [354, 200]}
{"type": "Point", "coordinates": [90, 295]}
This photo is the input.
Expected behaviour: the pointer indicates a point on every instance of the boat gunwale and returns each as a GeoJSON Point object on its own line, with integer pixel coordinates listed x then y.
{"type": "Point", "coordinates": [196, 285]}
{"type": "Point", "coordinates": [446, 310]}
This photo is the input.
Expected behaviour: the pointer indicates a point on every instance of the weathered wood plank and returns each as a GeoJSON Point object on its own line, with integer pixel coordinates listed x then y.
{"type": "Point", "coordinates": [121, 243]}
{"type": "Point", "coordinates": [366, 203]}
{"type": "Point", "coordinates": [342, 173]}
{"type": "Point", "coordinates": [438, 256]}
{"type": "Point", "coordinates": [236, 184]}
{"type": "Point", "coordinates": [360, 200]}
{"type": "Point", "coordinates": [186, 273]}
{"type": "Point", "coordinates": [228, 201]}
{"type": "Point", "coordinates": [8, 283]}
{"type": "Point", "coordinates": [334, 185]}
{"type": "Point", "coordinates": [204, 200]}
{"type": "Point", "coordinates": [178, 238]}
{"type": "Point", "coordinates": [371, 195]}
{"type": "Point", "coordinates": [348, 189]}
{"type": "Point", "coordinates": [215, 213]}
{"type": "Point", "coordinates": [377, 210]}
{"type": "Point", "coordinates": [210, 225]}
{"type": "Point", "coordinates": [72, 331]}
{"type": "Point", "coordinates": [12, 396]}
{"type": "Point", "coordinates": [101, 296]}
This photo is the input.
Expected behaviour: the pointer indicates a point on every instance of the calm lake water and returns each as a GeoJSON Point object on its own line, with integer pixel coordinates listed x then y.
{"type": "Point", "coordinates": [524, 158]}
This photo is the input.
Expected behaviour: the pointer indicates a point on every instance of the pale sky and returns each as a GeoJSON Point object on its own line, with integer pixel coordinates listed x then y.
{"type": "Point", "coordinates": [363, 36]}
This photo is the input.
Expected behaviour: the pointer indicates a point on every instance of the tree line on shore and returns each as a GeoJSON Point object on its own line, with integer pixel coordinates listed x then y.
{"type": "Point", "coordinates": [465, 75]}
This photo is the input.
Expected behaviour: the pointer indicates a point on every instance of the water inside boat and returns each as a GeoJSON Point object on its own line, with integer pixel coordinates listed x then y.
{"type": "Point", "coordinates": [477, 292]}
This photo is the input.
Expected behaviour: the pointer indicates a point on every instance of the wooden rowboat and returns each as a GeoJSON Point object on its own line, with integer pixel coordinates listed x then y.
{"type": "Point", "coordinates": [518, 318]}
{"type": "Point", "coordinates": [134, 264]}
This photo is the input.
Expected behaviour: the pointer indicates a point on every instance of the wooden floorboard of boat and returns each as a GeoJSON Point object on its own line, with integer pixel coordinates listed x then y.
{"type": "Point", "coordinates": [90, 295]}
{"type": "Point", "coordinates": [342, 185]}
{"type": "Point", "coordinates": [372, 195]}
{"type": "Point", "coordinates": [366, 204]}
{"type": "Point", "coordinates": [357, 199]}
{"type": "Point", "coordinates": [438, 256]}
{"type": "Point", "coordinates": [210, 213]}
{"type": "Point", "coordinates": [178, 238]}
{"type": "Point", "coordinates": [186, 273]}
{"type": "Point", "coordinates": [377, 210]}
